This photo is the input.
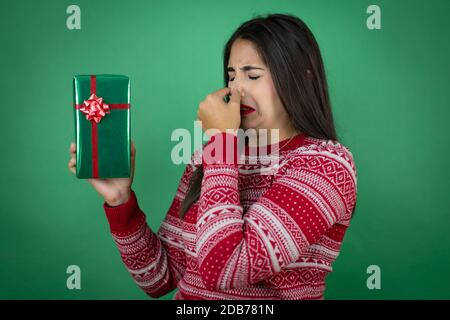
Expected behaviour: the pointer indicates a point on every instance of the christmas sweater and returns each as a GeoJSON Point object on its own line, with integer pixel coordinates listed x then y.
{"type": "Point", "coordinates": [259, 230]}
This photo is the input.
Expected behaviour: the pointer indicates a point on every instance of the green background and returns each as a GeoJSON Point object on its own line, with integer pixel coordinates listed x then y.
{"type": "Point", "coordinates": [389, 93]}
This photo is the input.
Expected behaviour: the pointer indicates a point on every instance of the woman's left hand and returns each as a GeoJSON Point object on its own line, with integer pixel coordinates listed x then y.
{"type": "Point", "coordinates": [215, 113]}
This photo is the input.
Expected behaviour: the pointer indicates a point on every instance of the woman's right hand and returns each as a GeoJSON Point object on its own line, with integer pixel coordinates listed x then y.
{"type": "Point", "coordinates": [115, 191]}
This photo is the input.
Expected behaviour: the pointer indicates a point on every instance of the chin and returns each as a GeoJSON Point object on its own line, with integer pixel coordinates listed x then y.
{"type": "Point", "coordinates": [249, 123]}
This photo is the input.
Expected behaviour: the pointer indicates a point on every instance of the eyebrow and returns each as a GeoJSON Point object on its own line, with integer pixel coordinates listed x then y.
{"type": "Point", "coordinates": [244, 68]}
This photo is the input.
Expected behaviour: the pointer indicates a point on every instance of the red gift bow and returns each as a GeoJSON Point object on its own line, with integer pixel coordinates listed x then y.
{"type": "Point", "coordinates": [97, 102]}
{"type": "Point", "coordinates": [94, 108]}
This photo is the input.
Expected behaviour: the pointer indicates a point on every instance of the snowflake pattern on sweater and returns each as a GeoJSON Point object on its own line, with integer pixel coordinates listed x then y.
{"type": "Point", "coordinates": [251, 235]}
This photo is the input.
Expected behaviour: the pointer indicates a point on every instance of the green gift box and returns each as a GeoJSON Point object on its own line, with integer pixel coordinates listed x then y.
{"type": "Point", "coordinates": [102, 126]}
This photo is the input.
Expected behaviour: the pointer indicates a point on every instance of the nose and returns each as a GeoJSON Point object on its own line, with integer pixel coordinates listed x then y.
{"type": "Point", "coordinates": [236, 84]}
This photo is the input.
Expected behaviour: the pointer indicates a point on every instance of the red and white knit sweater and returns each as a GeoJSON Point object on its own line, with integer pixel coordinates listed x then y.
{"type": "Point", "coordinates": [252, 234]}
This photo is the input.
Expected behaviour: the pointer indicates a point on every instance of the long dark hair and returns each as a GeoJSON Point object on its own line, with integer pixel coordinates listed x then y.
{"type": "Point", "coordinates": [290, 51]}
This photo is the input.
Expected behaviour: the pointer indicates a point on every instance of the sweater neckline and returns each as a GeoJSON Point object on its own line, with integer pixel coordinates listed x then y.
{"type": "Point", "coordinates": [283, 145]}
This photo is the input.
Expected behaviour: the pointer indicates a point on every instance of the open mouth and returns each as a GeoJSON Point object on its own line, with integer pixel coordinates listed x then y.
{"type": "Point", "coordinates": [245, 109]}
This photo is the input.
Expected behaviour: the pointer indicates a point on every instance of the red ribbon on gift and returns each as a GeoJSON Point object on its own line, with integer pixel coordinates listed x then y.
{"type": "Point", "coordinates": [95, 109]}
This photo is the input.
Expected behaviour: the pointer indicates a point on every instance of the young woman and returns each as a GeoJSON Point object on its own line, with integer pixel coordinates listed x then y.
{"type": "Point", "coordinates": [244, 230]}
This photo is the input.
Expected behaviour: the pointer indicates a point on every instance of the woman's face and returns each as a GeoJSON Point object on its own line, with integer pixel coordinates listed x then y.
{"type": "Point", "coordinates": [247, 71]}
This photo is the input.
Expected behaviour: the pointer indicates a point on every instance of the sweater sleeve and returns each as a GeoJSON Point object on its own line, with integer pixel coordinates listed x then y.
{"type": "Point", "coordinates": [312, 191]}
{"type": "Point", "coordinates": [156, 261]}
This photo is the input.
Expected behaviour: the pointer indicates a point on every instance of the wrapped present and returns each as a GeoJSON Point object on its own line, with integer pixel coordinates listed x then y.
{"type": "Point", "coordinates": [102, 126]}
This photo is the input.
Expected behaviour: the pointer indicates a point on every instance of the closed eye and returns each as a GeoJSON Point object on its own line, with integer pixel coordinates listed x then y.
{"type": "Point", "coordinates": [250, 77]}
